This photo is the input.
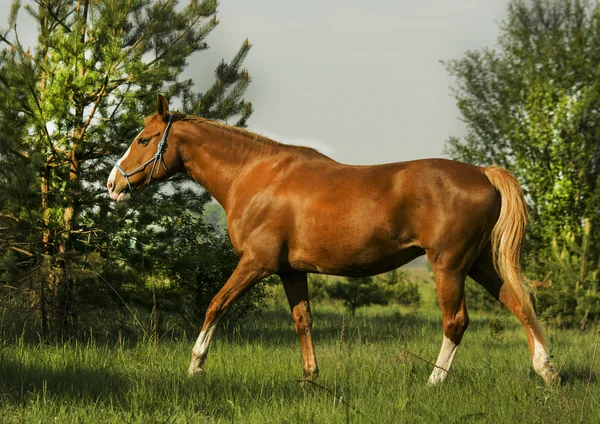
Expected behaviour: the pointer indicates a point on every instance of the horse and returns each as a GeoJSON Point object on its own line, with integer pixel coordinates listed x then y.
{"type": "Point", "coordinates": [292, 210]}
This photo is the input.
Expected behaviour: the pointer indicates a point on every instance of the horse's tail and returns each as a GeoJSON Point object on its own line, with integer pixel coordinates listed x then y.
{"type": "Point", "coordinates": [507, 241]}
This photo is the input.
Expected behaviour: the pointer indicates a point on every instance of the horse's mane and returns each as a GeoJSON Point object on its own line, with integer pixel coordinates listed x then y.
{"type": "Point", "coordinates": [241, 131]}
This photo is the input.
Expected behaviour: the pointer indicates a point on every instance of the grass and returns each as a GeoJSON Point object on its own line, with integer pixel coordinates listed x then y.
{"type": "Point", "coordinates": [252, 375]}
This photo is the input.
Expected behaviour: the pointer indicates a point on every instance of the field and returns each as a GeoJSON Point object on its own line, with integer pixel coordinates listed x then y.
{"type": "Point", "coordinates": [374, 367]}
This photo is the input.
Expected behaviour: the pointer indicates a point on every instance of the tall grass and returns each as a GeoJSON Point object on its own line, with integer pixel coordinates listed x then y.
{"type": "Point", "coordinates": [379, 371]}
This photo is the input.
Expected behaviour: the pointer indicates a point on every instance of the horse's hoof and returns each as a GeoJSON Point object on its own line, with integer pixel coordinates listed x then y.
{"type": "Point", "coordinates": [557, 378]}
{"type": "Point", "coordinates": [311, 375]}
{"type": "Point", "coordinates": [195, 371]}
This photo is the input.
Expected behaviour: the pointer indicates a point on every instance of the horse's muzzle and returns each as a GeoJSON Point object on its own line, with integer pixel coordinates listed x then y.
{"type": "Point", "coordinates": [118, 195]}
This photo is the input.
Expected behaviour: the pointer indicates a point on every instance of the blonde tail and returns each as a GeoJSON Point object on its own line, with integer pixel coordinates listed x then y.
{"type": "Point", "coordinates": [507, 240]}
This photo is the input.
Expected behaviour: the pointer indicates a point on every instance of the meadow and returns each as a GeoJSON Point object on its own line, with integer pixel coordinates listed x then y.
{"type": "Point", "coordinates": [374, 368]}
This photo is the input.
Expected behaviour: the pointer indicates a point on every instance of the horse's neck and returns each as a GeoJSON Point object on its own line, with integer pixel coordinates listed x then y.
{"type": "Point", "coordinates": [215, 157]}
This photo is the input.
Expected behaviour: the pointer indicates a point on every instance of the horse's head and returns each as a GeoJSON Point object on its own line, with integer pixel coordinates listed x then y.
{"type": "Point", "coordinates": [149, 157]}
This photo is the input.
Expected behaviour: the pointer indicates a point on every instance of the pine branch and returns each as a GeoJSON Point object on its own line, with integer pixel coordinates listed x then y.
{"type": "Point", "coordinates": [100, 96]}
{"type": "Point", "coordinates": [23, 251]}
{"type": "Point", "coordinates": [54, 15]}
{"type": "Point", "coordinates": [17, 47]}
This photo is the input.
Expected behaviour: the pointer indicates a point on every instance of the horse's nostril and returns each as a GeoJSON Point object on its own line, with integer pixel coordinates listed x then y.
{"type": "Point", "coordinates": [110, 185]}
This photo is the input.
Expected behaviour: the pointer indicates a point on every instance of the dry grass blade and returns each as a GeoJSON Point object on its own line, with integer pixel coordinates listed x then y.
{"type": "Point", "coordinates": [422, 359]}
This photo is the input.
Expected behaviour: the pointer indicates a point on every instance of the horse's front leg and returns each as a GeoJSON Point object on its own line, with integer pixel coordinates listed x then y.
{"type": "Point", "coordinates": [246, 275]}
{"type": "Point", "coordinates": [296, 289]}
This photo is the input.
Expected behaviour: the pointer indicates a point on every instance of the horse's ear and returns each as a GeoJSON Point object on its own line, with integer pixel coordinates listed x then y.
{"type": "Point", "coordinates": [162, 106]}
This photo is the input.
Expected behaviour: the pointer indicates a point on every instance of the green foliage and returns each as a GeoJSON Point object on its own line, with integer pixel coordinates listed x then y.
{"type": "Point", "coordinates": [532, 105]}
{"type": "Point", "coordinates": [72, 103]}
{"type": "Point", "coordinates": [402, 289]}
{"type": "Point", "coordinates": [357, 291]}
{"type": "Point", "coordinates": [317, 287]}
{"type": "Point", "coordinates": [573, 289]}
{"type": "Point", "coordinates": [394, 287]}
{"type": "Point", "coordinates": [478, 298]}
{"type": "Point", "coordinates": [497, 328]}
{"type": "Point", "coordinates": [214, 214]}
{"type": "Point", "coordinates": [200, 262]}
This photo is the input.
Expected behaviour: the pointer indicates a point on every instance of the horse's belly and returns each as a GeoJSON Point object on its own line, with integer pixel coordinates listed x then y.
{"type": "Point", "coordinates": [342, 249]}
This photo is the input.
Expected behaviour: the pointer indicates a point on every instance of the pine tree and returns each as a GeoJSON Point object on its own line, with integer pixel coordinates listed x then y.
{"type": "Point", "coordinates": [74, 101]}
{"type": "Point", "coordinates": [357, 291]}
{"type": "Point", "coordinates": [572, 289]}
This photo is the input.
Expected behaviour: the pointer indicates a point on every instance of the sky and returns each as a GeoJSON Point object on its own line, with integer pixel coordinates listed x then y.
{"type": "Point", "coordinates": [361, 81]}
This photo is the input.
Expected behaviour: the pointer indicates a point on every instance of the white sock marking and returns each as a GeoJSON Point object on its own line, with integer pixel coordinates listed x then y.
{"type": "Point", "coordinates": [200, 349]}
{"type": "Point", "coordinates": [444, 361]}
{"type": "Point", "coordinates": [540, 358]}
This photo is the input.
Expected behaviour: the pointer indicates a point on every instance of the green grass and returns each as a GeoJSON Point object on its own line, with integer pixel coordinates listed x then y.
{"type": "Point", "coordinates": [252, 375]}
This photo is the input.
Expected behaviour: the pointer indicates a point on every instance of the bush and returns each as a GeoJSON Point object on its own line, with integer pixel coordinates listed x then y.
{"type": "Point", "coordinates": [357, 291]}
{"type": "Point", "coordinates": [572, 288]}
{"type": "Point", "coordinates": [395, 287]}
{"type": "Point", "coordinates": [317, 287]}
{"type": "Point", "coordinates": [479, 299]}
{"type": "Point", "coordinates": [402, 289]}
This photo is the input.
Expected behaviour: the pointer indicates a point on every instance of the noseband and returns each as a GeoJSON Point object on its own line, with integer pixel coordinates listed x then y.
{"type": "Point", "coordinates": [157, 158]}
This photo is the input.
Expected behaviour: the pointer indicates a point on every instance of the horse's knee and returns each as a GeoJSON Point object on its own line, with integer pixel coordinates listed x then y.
{"type": "Point", "coordinates": [455, 327]}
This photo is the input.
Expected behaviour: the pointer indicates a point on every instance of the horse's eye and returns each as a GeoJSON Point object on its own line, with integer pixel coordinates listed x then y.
{"type": "Point", "coordinates": [143, 141]}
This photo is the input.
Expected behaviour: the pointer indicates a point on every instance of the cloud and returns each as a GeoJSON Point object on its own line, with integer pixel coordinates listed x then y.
{"type": "Point", "coordinates": [297, 141]}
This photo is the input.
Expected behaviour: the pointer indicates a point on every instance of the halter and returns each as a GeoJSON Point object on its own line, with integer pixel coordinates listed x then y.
{"type": "Point", "coordinates": [157, 158]}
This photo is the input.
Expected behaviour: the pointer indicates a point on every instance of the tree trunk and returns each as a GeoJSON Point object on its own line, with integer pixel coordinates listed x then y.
{"type": "Point", "coordinates": [64, 287]}
{"type": "Point", "coordinates": [46, 251]}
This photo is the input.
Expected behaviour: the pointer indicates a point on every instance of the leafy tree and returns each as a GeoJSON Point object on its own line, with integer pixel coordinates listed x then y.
{"type": "Point", "coordinates": [573, 289]}
{"type": "Point", "coordinates": [357, 291]}
{"type": "Point", "coordinates": [532, 105]}
{"type": "Point", "coordinates": [72, 102]}
{"type": "Point", "coordinates": [401, 289]}
{"type": "Point", "coordinates": [317, 287]}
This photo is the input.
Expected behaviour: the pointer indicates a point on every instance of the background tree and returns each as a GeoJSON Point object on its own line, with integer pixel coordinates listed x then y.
{"type": "Point", "coordinates": [401, 288]}
{"type": "Point", "coordinates": [72, 103]}
{"type": "Point", "coordinates": [356, 292]}
{"type": "Point", "coordinates": [571, 290]}
{"type": "Point", "coordinates": [532, 105]}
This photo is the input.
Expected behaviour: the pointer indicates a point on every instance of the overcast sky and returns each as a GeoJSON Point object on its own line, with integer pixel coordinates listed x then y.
{"type": "Point", "coordinates": [360, 80]}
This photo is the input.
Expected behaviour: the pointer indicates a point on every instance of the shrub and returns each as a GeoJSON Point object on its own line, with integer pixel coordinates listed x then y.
{"type": "Point", "coordinates": [572, 287]}
{"type": "Point", "coordinates": [317, 285]}
{"type": "Point", "coordinates": [478, 299]}
{"type": "Point", "coordinates": [402, 289]}
{"type": "Point", "coordinates": [357, 291]}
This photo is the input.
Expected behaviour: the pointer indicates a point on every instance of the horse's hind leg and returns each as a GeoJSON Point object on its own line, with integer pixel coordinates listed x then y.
{"type": "Point", "coordinates": [296, 290]}
{"type": "Point", "coordinates": [484, 273]}
{"type": "Point", "coordinates": [449, 283]}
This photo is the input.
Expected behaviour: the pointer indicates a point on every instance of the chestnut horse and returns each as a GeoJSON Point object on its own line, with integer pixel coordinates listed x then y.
{"type": "Point", "coordinates": [292, 210]}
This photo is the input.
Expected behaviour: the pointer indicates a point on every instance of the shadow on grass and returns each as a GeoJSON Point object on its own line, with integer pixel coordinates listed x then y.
{"type": "Point", "coordinates": [132, 393]}
{"type": "Point", "coordinates": [276, 327]}
{"type": "Point", "coordinates": [576, 375]}
{"type": "Point", "coordinates": [19, 382]}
